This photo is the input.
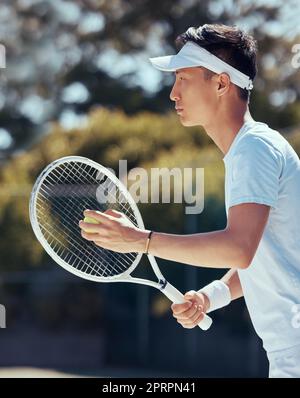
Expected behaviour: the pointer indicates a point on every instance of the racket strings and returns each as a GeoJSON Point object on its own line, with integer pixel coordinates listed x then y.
{"type": "Point", "coordinates": [77, 256]}
{"type": "Point", "coordinates": [58, 238]}
{"type": "Point", "coordinates": [125, 209]}
{"type": "Point", "coordinates": [64, 237]}
{"type": "Point", "coordinates": [65, 193]}
{"type": "Point", "coordinates": [71, 212]}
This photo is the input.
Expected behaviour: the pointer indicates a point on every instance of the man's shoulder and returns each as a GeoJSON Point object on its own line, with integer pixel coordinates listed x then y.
{"type": "Point", "coordinates": [260, 137]}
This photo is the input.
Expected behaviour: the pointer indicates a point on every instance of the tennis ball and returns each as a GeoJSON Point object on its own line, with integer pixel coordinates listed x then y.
{"type": "Point", "coordinates": [91, 220]}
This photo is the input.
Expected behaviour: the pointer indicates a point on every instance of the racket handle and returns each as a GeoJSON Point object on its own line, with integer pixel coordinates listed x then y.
{"type": "Point", "coordinates": [177, 298]}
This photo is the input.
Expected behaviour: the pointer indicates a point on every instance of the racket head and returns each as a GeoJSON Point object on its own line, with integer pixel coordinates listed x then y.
{"type": "Point", "coordinates": [46, 193]}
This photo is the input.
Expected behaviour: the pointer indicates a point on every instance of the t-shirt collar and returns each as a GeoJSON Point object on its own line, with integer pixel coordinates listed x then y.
{"type": "Point", "coordinates": [242, 130]}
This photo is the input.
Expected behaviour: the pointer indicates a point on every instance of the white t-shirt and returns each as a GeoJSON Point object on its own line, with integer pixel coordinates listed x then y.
{"type": "Point", "coordinates": [262, 167]}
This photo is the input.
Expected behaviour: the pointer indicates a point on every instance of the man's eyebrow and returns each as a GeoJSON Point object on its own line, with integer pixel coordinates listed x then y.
{"type": "Point", "coordinates": [186, 72]}
{"type": "Point", "coordinates": [180, 71]}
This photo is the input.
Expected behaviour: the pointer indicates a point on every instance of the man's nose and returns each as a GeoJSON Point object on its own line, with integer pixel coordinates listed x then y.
{"type": "Point", "coordinates": [174, 95]}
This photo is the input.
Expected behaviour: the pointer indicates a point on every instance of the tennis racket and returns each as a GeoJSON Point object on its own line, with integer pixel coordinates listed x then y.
{"type": "Point", "coordinates": [61, 193]}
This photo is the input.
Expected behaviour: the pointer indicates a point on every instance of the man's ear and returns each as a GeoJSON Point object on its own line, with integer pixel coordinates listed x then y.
{"type": "Point", "coordinates": [223, 81]}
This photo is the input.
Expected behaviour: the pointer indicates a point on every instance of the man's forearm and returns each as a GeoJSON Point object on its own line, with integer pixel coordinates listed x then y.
{"type": "Point", "coordinates": [232, 280]}
{"type": "Point", "coordinates": [220, 293]}
{"type": "Point", "coordinates": [219, 249]}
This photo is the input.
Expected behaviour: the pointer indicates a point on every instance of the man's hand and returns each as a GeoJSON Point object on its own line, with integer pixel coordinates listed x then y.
{"type": "Point", "coordinates": [191, 312]}
{"type": "Point", "coordinates": [114, 231]}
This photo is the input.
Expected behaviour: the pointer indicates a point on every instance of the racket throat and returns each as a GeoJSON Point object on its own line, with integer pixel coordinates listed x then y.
{"type": "Point", "coordinates": [162, 284]}
{"type": "Point", "coordinates": [171, 292]}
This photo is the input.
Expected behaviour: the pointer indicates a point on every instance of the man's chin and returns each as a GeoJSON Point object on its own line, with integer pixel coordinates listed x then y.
{"type": "Point", "coordinates": [188, 123]}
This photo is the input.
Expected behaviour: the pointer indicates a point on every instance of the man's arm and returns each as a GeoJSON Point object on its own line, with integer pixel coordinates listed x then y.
{"type": "Point", "coordinates": [233, 247]}
{"type": "Point", "coordinates": [191, 312]}
{"type": "Point", "coordinates": [232, 280]}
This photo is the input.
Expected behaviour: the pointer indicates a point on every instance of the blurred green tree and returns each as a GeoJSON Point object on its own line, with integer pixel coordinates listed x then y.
{"type": "Point", "coordinates": [65, 57]}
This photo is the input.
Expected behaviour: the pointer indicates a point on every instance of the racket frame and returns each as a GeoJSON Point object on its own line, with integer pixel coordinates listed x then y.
{"type": "Point", "coordinates": [163, 285]}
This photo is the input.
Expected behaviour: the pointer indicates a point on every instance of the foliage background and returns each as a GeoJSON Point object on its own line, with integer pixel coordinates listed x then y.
{"type": "Point", "coordinates": [78, 82]}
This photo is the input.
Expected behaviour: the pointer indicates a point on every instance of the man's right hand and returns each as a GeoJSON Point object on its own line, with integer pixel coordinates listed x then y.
{"type": "Point", "coordinates": [192, 311]}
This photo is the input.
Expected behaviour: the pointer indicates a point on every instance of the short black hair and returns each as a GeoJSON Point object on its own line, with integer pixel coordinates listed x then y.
{"type": "Point", "coordinates": [228, 43]}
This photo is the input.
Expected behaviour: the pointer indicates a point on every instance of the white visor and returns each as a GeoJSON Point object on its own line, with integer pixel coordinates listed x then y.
{"type": "Point", "coordinates": [192, 55]}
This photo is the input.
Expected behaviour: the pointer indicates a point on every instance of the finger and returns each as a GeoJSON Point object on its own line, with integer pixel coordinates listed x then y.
{"type": "Point", "coordinates": [192, 324]}
{"type": "Point", "coordinates": [185, 325]}
{"type": "Point", "coordinates": [90, 236]}
{"type": "Point", "coordinates": [114, 213]}
{"type": "Point", "coordinates": [98, 215]}
{"type": "Point", "coordinates": [88, 227]}
{"type": "Point", "coordinates": [180, 308]}
{"type": "Point", "coordinates": [191, 295]}
{"type": "Point", "coordinates": [189, 314]}
{"type": "Point", "coordinates": [200, 318]}
{"type": "Point", "coordinates": [195, 316]}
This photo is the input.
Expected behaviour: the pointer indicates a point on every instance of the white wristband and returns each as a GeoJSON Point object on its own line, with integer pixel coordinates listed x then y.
{"type": "Point", "coordinates": [218, 294]}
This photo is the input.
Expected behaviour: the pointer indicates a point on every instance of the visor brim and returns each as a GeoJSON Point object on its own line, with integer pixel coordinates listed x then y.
{"type": "Point", "coordinates": [171, 63]}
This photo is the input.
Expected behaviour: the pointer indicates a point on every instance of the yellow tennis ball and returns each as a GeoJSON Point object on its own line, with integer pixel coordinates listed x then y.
{"type": "Point", "coordinates": [91, 220]}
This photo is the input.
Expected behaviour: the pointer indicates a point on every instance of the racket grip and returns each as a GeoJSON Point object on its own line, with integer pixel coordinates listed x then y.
{"type": "Point", "coordinates": [177, 298]}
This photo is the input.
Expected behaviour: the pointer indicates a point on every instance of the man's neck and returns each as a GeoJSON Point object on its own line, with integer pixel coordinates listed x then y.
{"type": "Point", "coordinates": [224, 129]}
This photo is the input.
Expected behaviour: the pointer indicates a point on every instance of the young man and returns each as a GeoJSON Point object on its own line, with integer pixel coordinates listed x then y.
{"type": "Point", "coordinates": [260, 244]}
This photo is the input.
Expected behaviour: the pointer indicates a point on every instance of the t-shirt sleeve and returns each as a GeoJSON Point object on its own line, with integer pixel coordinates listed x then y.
{"type": "Point", "coordinates": [256, 167]}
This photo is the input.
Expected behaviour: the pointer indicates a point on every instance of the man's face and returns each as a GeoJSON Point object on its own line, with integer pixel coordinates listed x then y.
{"type": "Point", "coordinates": [194, 96]}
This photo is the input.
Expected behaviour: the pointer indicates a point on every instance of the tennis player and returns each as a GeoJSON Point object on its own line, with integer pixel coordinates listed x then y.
{"type": "Point", "coordinates": [214, 71]}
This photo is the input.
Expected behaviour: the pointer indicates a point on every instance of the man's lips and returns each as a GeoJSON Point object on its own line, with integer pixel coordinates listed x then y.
{"type": "Point", "coordinates": [179, 110]}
